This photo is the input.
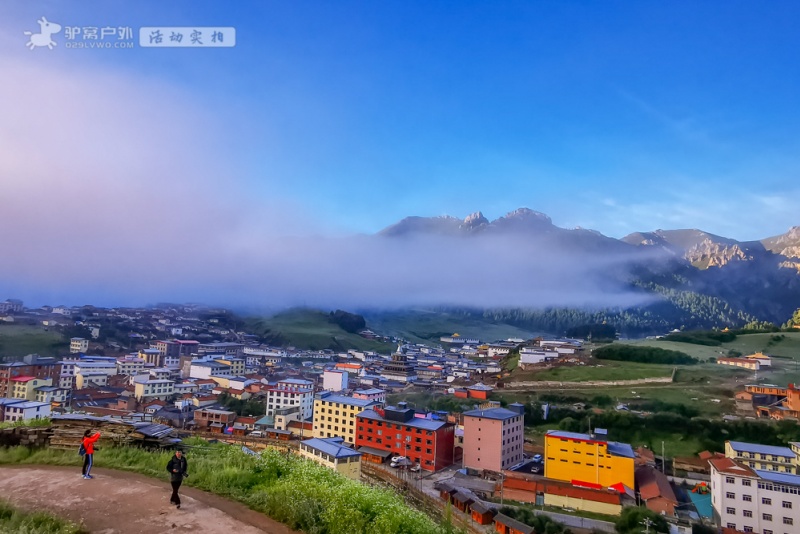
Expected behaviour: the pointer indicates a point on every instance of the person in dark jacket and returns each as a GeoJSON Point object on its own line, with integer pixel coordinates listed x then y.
{"type": "Point", "coordinates": [88, 442]}
{"type": "Point", "coordinates": [178, 470]}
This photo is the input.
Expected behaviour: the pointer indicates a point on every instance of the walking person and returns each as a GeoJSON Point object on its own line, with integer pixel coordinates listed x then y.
{"type": "Point", "coordinates": [178, 470]}
{"type": "Point", "coordinates": [88, 442]}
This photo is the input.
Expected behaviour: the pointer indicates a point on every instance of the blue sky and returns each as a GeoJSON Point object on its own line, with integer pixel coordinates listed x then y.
{"type": "Point", "coordinates": [618, 116]}
{"type": "Point", "coordinates": [340, 118]}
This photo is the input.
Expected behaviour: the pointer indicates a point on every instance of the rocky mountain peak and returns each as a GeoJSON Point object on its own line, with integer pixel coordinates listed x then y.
{"type": "Point", "coordinates": [474, 220]}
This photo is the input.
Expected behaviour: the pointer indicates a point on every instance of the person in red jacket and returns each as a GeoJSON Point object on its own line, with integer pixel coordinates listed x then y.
{"type": "Point", "coordinates": [88, 442]}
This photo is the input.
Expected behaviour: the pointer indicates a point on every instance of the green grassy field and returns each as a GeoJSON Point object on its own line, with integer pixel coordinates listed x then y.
{"type": "Point", "coordinates": [607, 370]}
{"type": "Point", "coordinates": [310, 329]}
{"type": "Point", "coordinates": [13, 519]}
{"type": "Point", "coordinates": [423, 326]}
{"type": "Point", "coordinates": [18, 340]}
{"type": "Point", "coordinates": [788, 347]}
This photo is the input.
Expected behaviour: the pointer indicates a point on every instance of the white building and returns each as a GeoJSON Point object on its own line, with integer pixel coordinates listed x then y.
{"type": "Point", "coordinates": [291, 392]}
{"type": "Point", "coordinates": [130, 366]}
{"type": "Point", "coordinates": [205, 368]}
{"type": "Point", "coordinates": [78, 344]}
{"type": "Point", "coordinates": [25, 410]}
{"type": "Point", "coordinates": [147, 389]}
{"type": "Point", "coordinates": [334, 380]}
{"type": "Point", "coordinates": [754, 500]}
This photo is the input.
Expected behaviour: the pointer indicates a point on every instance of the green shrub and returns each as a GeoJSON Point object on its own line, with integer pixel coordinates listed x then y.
{"type": "Point", "coordinates": [15, 520]}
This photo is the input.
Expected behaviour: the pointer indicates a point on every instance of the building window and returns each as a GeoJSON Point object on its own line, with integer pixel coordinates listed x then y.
{"type": "Point", "coordinates": [765, 500]}
{"type": "Point", "coordinates": [747, 498]}
{"type": "Point", "coordinates": [730, 495]}
{"type": "Point", "coordinates": [766, 517]}
{"type": "Point", "coordinates": [787, 504]}
{"type": "Point", "coordinates": [730, 480]}
{"type": "Point", "coordinates": [747, 513]}
{"type": "Point", "coordinates": [730, 511]}
{"type": "Point", "coordinates": [745, 482]}
{"type": "Point", "coordinates": [788, 521]}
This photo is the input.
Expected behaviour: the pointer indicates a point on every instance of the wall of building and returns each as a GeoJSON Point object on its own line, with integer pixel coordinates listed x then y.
{"type": "Point", "coordinates": [588, 461]}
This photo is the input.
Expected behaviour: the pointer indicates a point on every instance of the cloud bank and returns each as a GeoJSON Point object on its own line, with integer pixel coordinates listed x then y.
{"type": "Point", "coordinates": [119, 191]}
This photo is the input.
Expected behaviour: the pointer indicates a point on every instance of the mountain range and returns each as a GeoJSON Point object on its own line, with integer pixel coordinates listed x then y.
{"type": "Point", "coordinates": [697, 279]}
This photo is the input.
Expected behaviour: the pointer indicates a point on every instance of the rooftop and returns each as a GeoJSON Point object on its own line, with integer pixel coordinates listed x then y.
{"type": "Point", "coordinates": [492, 413]}
{"type": "Point", "coordinates": [740, 446]}
{"type": "Point", "coordinates": [415, 422]}
{"type": "Point", "coordinates": [779, 478]}
{"type": "Point", "coordinates": [614, 447]}
{"type": "Point", "coordinates": [342, 399]}
{"type": "Point", "coordinates": [332, 446]}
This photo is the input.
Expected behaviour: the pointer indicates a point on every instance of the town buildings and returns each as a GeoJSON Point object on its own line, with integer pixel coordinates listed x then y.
{"type": "Point", "coordinates": [334, 380]}
{"type": "Point", "coordinates": [493, 438]}
{"type": "Point", "coordinates": [588, 459]}
{"type": "Point", "coordinates": [427, 442]}
{"type": "Point", "coordinates": [763, 457]}
{"type": "Point", "coordinates": [78, 345]}
{"type": "Point", "coordinates": [754, 500]}
{"type": "Point", "coordinates": [335, 415]}
{"type": "Point", "coordinates": [334, 454]}
{"type": "Point", "coordinates": [291, 392]}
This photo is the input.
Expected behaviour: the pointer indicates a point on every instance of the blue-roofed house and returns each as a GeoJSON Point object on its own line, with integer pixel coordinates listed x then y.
{"type": "Point", "coordinates": [334, 454]}
{"type": "Point", "coordinates": [764, 457]}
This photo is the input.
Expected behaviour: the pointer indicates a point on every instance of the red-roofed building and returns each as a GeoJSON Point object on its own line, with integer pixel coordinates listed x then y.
{"type": "Point", "coordinates": [525, 487]}
{"type": "Point", "coordinates": [655, 490]}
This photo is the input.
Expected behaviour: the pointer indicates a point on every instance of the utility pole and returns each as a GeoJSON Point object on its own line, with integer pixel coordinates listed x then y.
{"type": "Point", "coordinates": [647, 524]}
{"type": "Point", "coordinates": [663, 459]}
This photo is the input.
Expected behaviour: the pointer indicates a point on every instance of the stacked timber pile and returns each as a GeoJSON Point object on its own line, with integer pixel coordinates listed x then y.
{"type": "Point", "coordinates": [68, 430]}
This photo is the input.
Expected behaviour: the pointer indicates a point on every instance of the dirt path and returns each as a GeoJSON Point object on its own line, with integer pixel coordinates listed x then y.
{"type": "Point", "coordinates": [116, 502]}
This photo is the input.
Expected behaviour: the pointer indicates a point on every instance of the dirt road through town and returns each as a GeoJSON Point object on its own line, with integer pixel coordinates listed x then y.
{"type": "Point", "coordinates": [116, 502]}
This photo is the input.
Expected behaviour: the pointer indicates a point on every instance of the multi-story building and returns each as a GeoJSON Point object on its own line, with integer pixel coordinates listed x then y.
{"type": "Point", "coordinates": [335, 415]}
{"type": "Point", "coordinates": [24, 387]}
{"type": "Point", "coordinates": [31, 365]}
{"type": "Point", "coordinates": [168, 349]}
{"type": "Point", "coordinates": [334, 380]}
{"type": "Point", "coordinates": [147, 389]}
{"type": "Point", "coordinates": [395, 430]}
{"type": "Point", "coordinates": [152, 357]}
{"type": "Point", "coordinates": [289, 393]}
{"type": "Point", "coordinates": [754, 500]}
{"type": "Point", "coordinates": [765, 457]}
{"type": "Point", "coordinates": [130, 365]}
{"type": "Point", "coordinates": [371, 394]}
{"type": "Point", "coordinates": [333, 454]}
{"type": "Point", "coordinates": [210, 419]}
{"type": "Point", "coordinates": [493, 438]}
{"type": "Point", "coordinates": [10, 305]}
{"type": "Point", "coordinates": [78, 344]}
{"type": "Point", "coordinates": [25, 410]}
{"type": "Point", "coordinates": [53, 395]}
{"type": "Point", "coordinates": [227, 349]}
{"type": "Point", "coordinates": [399, 369]}
{"type": "Point", "coordinates": [205, 368]}
{"type": "Point", "coordinates": [90, 379]}
{"type": "Point", "coordinates": [588, 459]}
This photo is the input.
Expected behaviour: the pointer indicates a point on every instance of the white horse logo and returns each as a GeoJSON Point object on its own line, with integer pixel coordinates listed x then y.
{"type": "Point", "coordinates": [43, 37]}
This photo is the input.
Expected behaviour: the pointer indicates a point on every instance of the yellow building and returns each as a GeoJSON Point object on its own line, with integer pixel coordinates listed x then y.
{"type": "Point", "coordinates": [332, 453]}
{"type": "Point", "coordinates": [335, 415]}
{"type": "Point", "coordinates": [236, 364]}
{"type": "Point", "coordinates": [588, 459]}
{"type": "Point", "coordinates": [24, 387]}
